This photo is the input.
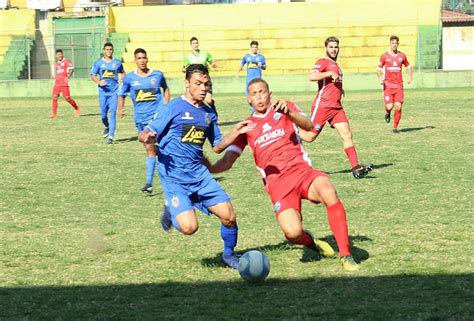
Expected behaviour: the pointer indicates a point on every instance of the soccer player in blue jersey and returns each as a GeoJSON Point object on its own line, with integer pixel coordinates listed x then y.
{"type": "Point", "coordinates": [255, 63]}
{"type": "Point", "coordinates": [145, 88]}
{"type": "Point", "coordinates": [107, 72]}
{"type": "Point", "coordinates": [180, 128]}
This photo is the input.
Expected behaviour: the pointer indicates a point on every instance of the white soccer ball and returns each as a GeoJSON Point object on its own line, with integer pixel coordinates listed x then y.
{"type": "Point", "coordinates": [254, 266]}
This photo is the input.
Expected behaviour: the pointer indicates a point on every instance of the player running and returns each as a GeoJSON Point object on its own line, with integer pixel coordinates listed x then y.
{"type": "Point", "coordinates": [180, 129]}
{"type": "Point", "coordinates": [107, 72]}
{"type": "Point", "coordinates": [64, 71]}
{"type": "Point", "coordinates": [255, 63]}
{"type": "Point", "coordinates": [389, 72]}
{"type": "Point", "coordinates": [327, 108]}
{"type": "Point", "coordinates": [287, 173]}
{"type": "Point", "coordinates": [144, 86]}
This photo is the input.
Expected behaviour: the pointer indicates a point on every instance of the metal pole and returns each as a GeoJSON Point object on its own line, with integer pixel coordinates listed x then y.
{"type": "Point", "coordinates": [29, 58]}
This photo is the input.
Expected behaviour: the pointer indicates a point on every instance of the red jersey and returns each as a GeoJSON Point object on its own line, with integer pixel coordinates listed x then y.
{"type": "Point", "coordinates": [62, 68]}
{"type": "Point", "coordinates": [391, 64]}
{"type": "Point", "coordinates": [275, 144]}
{"type": "Point", "coordinates": [329, 90]}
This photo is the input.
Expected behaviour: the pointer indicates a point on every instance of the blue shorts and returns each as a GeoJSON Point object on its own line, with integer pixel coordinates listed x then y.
{"type": "Point", "coordinates": [184, 197]}
{"type": "Point", "coordinates": [144, 121]}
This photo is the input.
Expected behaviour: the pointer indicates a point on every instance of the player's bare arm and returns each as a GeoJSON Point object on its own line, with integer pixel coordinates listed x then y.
{"type": "Point", "coordinates": [147, 137]}
{"type": "Point", "coordinates": [166, 95]}
{"type": "Point", "coordinates": [241, 128]}
{"type": "Point", "coordinates": [317, 75]}
{"type": "Point", "coordinates": [410, 74]}
{"type": "Point", "coordinates": [300, 120]}
{"type": "Point", "coordinates": [97, 81]}
{"type": "Point", "coordinates": [380, 75]}
{"type": "Point", "coordinates": [225, 163]}
{"type": "Point", "coordinates": [121, 103]}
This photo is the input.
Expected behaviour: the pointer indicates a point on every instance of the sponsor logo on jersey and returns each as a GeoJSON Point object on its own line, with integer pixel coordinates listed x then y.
{"type": "Point", "coordinates": [187, 116]}
{"type": "Point", "coordinates": [394, 63]}
{"type": "Point", "coordinates": [145, 95]}
{"type": "Point", "coordinates": [192, 134]}
{"type": "Point", "coordinates": [269, 137]}
{"type": "Point", "coordinates": [266, 128]}
{"type": "Point", "coordinates": [108, 74]}
{"type": "Point", "coordinates": [277, 206]}
{"type": "Point", "coordinates": [175, 201]}
{"type": "Point", "coordinates": [135, 83]}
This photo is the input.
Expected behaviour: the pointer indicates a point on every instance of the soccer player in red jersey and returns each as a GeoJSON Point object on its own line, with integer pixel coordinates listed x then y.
{"type": "Point", "coordinates": [286, 171]}
{"type": "Point", "coordinates": [64, 71]}
{"type": "Point", "coordinates": [327, 108]}
{"type": "Point", "coordinates": [389, 71]}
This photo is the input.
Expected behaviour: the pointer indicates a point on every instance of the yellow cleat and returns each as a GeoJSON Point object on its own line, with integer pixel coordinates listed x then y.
{"type": "Point", "coordinates": [349, 264]}
{"type": "Point", "coordinates": [324, 248]}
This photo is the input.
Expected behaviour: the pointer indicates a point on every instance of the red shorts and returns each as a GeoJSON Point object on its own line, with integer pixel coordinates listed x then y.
{"type": "Point", "coordinates": [292, 187]}
{"type": "Point", "coordinates": [392, 95]}
{"type": "Point", "coordinates": [57, 90]}
{"type": "Point", "coordinates": [330, 115]}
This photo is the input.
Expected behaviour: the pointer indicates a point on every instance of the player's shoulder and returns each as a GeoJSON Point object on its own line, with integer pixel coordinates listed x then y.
{"type": "Point", "coordinates": [157, 73]}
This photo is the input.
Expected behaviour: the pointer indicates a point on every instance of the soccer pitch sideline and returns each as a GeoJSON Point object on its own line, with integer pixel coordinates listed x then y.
{"type": "Point", "coordinates": [79, 242]}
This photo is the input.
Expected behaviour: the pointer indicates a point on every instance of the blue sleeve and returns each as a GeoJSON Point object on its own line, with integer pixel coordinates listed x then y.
{"type": "Point", "coordinates": [163, 119]}
{"type": "Point", "coordinates": [163, 83]}
{"type": "Point", "coordinates": [215, 135]}
{"type": "Point", "coordinates": [264, 62]}
{"type": "Point", "coordinates": [244, 60]}
{"type": "Point", "coordinates": [125, 89]}
{"type": "Point", "coordinates": [95, 69]}
{"type": "Point", "coordinates": [120, 68]}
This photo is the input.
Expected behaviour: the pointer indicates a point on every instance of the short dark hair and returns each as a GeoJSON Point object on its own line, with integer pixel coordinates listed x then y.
{"type": "Point", "coordinates": [394, 38]}
{"type": "Point", "coordinates": [192, 39]}
{"type": "Point", "coordinates": [330, 39]}
{"type": "Point", "coordinates": [257, 80]}
{"type": "Point", "coordinates": [139, 50]}
{"type": "Point", "coordinates": [196, 69]}
{"type": "Point", "coordinates": [108, 44]}
{"type": "Point", "coordinates": [253, 42]}
{"type": "Point", "coordinates": [59, 50]}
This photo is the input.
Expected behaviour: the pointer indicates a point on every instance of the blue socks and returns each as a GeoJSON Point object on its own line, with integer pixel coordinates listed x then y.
{"type": "Point", "coordinates": [150, 169]}
{"type": "Point", "coordinates": [229, 236]}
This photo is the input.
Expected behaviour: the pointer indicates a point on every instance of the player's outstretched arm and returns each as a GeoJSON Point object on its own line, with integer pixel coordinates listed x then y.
{"type": "Point", "coordinates": [317, 75]}
{"type": "Point", "coordinates": [240, 128]}
{"type": "Point", "coordinates": [225, 163]}
{"type": "Point", "coordinates": [147, 137]}
{"type": "Point", "coordinates": [300, 120]}
{"type": "Point", "coordinates": [121, 103]}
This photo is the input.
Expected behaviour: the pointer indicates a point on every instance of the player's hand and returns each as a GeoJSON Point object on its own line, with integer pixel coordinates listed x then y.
{"type": "Point", "coordinates": [148, 137]}
{"type": "Point", "coordinates": [409, 80]}
{"type": "Point", "coordinates": [280, 106]}
{"type": "Point", "coordinates": [381, 80]}
{"type": "Point", "coordinates": [244, 127]}
{"type": "Point", "coordinates": [121, 113]}
{"type": "Point", "coordinates": [334, 75]}
{"type": "Point", "coordinates": [102, 83]}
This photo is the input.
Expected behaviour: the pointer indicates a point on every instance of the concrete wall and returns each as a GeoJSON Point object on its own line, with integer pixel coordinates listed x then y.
{"type": "Point", "coordinates": [458, 48]}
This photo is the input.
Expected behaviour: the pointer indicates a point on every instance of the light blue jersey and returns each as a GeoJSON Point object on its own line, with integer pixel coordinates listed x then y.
{"type": "Point", "coordinates": [253, 69]}
{"type": "Point", "coordinates": [107, 71]}
{"type": "Point", "coordinates": [145, 93]}
{"type": "Point", "coordinates": [181, 131]}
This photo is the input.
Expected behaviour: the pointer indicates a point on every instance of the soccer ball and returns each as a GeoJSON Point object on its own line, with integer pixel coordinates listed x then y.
{"type": "Point", "coordinates": [254, 266]}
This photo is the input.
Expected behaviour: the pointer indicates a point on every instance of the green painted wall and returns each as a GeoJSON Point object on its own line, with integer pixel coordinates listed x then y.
{"type": "Point", "coordinates": [429, 47]}
{"type": "Point", "coordinates": [291, 83]}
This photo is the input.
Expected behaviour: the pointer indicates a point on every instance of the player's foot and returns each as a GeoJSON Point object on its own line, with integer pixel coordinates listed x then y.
{"type": "Point", "coordinates": [77, 112]}
{"type": "Point", "coordinates": [105, 133]}
{"type": "Point", "coordinates": [349, 264]}
{"type": "Point", "coordinates": [387, 117]}
{"type": "Point", "coordinates": [110, 141]}
{"type": "Point", "coordinates": [148, 188]}
{"type": "Point", "coordinates": [360, 171]}
{"type": "Point", "coordinates": [166, 223]}
{"type": "Point", "coordinates": [231, 260]}
{"type": "Point", "coordinates": [396, 131]}
{"type": "Point", "coordinates": [53, 116]}
{"type": "Point", "coordinates": [322, 247]}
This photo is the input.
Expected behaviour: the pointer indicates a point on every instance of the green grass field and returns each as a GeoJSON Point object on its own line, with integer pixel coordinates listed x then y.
{"type": "Point", "coordinates": [79, 242]}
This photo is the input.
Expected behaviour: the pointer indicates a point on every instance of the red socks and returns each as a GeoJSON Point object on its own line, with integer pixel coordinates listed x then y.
{"type": "Point", "coordinates": [72, 103]}
{"type": "Point", "coordinates": [54, 107]}
{"type": "Point", "coordinates": [338, 224]}
{"type": "Point", "coordinates": [352, 155]}
{"type": "Point", "coordinates": [305, 240]}
{"type": "Point", "coordinates": [396, 118]}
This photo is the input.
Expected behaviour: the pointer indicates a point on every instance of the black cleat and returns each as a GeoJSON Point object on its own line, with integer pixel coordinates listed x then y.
{"type": "Point", "coordinates": [387, 117]}
{"type": "Point", "coordinates": [147, 189]}
{"type": "Point", "coordinates": [361, 171]}
{"type": "Point", "coordinates": [396, 131]}
{"type": "Point", "coordinates": [105, 133]}
{"type": "Point", "coordinates": [110, 141]}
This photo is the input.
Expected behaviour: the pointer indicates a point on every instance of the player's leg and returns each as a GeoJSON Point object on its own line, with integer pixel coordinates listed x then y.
{"type": "Point", "coordinates": [150, 166]}
{"type": "Point", "coordinates": [322, 191]}
{"type": "Point", "coordinates": [398, 97]}
{"type": "Point", "coordinates": [179, 209]}
{"type": "Point", "coordinates": [103, 114]}
{"type": "Point", "coordinates": [54, 102]}
{"type": "Point", "coordinates": [112, 103]}
{"type": "Point", "coordinates": [319, 117]}
{"type": "Point", "coordinates": [67, 96]}
{"type": "Point", "coordinates": [388, 100]}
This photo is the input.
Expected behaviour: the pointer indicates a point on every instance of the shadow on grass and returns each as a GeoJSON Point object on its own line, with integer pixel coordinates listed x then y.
{"type": "Point", "coordinates": [374, 166]}
{"type": "Point", "coordinates": [394, 297]}
{"type": "Point", "coordinates": [228, 123]}
{"type": "Point", "coordinates": [126, 140]}
{"type": "Point", "coordinates": [90, 114]}
{"type": "Point", "coordinates": [405, 130]}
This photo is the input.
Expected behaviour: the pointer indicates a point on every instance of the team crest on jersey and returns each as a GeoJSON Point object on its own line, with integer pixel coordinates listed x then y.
{"type": "Point", "coordinates": [277, 206]}
{"type": "Point", "coordinates": [114, 65]}
{"type": "Point", "coordinates": [400, 60]}
{"type": "Point", "coordinates": [277, 116]}
{"type": "Point", "coordinates": [175, 201]}
{"type": "Point", "coordinates": [145, 95]}
{"type": "Point", "coordinates": [192, 134]}
{"type": "Point", "coordinates": [318, 127]}
{"type": "Point", "coordinates": [187, 116]}
{"type": "Point", "coordinates": [266, 128]}
{"type": "Point", "coordinates": [208, 118]}
{"type": "Point", "coordinates": [108, 74]}
{"type": "Point", "coordinates": [153, 81]}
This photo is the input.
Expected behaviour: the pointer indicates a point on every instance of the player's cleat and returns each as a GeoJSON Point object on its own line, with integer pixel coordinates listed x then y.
{"type": "Point", "coordinates": [105, 133]}
{"type": "Point", "coordinates": [110, 141]}
{"type": "Point", "coordinates": [360, 171]}
{"type": "Point", "coordinates": [53, 116]}
{"type": "Point", "coordinates": [166, 223]}
{"type": "Point", "coordinates": [147, 189]}
{"type": "Point", "coordinates": [396, 131]}
{"type": "Point", "coordinates": [387, 117]}
{"type": "Point", "coordinates": [320, 246]}
{"type": "Point", "coordinates": [349, 264]}
{"type": "Point", "coordinates": [231, 260]}
{"type": "Point", "coordinates": [77, 112]}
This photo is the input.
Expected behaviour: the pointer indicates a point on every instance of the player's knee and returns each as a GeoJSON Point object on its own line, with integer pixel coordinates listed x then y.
{"type": "Point", "coordinates": [229, 220]}
{"type": "Point", "coordinates": [188, 228]}
{"type": "Point", "coordinates": [55, 97]}
{"type": "Point", "coordinates": [398, 106]}
{"type": "Point", "coordinates": [294, 234]}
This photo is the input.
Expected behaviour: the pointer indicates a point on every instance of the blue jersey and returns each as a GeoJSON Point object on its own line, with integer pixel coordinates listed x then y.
{"type": "Point", "coordinates": [107, 71]}
{"type": "Point", "coordinates": [145, 93]}
{"type": "Point", "coordinates": [181, 131]}
{"type": "Point", "coordinates": [253, 70]}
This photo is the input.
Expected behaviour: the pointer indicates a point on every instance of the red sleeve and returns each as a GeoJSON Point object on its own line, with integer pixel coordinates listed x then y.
{"type": "Point", "coordinates": [319, 66]}
{"type": "Point", "coordinates": [405, 61]}
{"type": "Point", "coordinates": [382, 61]}
{"type": "Point", "coordinates": [294, 107]}
{"type": "Point", "coordinates": [69, 65]}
